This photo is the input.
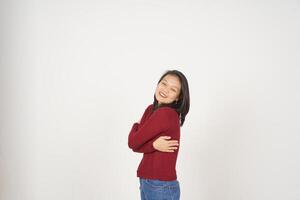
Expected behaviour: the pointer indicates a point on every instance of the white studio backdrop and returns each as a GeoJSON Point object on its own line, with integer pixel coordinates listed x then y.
{"type": "Point", "coordinates": [75, 75]}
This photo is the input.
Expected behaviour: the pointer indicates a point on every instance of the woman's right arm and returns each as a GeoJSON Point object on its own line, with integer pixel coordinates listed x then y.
{"type": "Point", "coordinates": [161, 143]}
{"type": "Point", "coordinates": [160, 121]}
{"type": "Point", "coordinates": [146, 148]}
{"type": "Point", "coordinates": [155, 144]}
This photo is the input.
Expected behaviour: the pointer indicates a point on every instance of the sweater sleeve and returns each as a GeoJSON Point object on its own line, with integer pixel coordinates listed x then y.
{"type": "Point", "coordinates": [146, 148]}
{"type": "Point", "coordinates": [157, 123]}
{"type": "Point", "coordinates": [146, 112]}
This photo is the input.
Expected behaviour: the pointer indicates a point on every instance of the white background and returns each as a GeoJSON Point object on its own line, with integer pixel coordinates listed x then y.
{"type": "Point", "coordinates": [75, 76]}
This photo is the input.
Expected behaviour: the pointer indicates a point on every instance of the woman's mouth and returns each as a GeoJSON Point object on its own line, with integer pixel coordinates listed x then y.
{"type": "Point", "coordinates": [162, 95]}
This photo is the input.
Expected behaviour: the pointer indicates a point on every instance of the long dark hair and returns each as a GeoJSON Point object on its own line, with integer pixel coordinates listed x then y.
{"type": "Point", "coordinates": [182, 106]}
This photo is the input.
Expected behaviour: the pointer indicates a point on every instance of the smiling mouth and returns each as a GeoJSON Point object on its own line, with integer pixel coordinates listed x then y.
{"type": "Point", "coordinates": [162, 95]}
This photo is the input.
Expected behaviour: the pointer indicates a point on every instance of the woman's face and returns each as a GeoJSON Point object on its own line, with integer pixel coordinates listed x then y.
{"type": "Point", "coordinates": [168, 89]}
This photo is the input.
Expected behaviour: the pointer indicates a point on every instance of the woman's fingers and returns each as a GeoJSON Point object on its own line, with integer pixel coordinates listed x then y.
{"type": "Point", "coordinates": [165, 137]}
{"type": "Point", "coordinates": [169, 141]}
{"type": "Point", "coordinates": [168, 145]}
{"type": "Point", "coordinates": [171, 149]}
{"type": "Point", "coordinates": [174, 142]}
{"type": "Point", "coordinates": [168, 150]}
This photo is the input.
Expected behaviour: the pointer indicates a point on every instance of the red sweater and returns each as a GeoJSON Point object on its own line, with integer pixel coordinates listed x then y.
{"type": "Point", "coordinates": [155, 164]}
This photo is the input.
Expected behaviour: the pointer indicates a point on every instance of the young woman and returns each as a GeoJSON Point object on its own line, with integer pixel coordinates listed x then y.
{"type": "Point", "coordinates": [157, 136]}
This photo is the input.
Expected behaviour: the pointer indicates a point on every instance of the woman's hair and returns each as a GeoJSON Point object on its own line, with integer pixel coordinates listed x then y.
{"type": "Point", "coordinates": [183, 104]}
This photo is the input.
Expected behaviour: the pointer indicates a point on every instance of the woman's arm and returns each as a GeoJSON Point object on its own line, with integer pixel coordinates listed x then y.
{"type": "Point", "coordinates": [146, 148]}
{"type": "Point", "coordinates": [160, 121]}
{"type": "Point", "coordinates": [146, 112]}
{"type": "Point", "coordinates": [162, 144]}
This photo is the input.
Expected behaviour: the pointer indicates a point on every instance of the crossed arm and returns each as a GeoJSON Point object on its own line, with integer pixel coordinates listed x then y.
{"type": "Point", "coordinates": [146, 148]}
{"type": "Point", "coordinates": [141, 138]}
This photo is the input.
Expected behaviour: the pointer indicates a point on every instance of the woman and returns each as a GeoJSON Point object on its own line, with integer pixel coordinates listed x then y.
{"type": "Point", "coordinates": [157, 136]}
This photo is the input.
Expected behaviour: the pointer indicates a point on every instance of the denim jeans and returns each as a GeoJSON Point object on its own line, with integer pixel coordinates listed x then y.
{"type": "Point", "coordinates": [154, 189]}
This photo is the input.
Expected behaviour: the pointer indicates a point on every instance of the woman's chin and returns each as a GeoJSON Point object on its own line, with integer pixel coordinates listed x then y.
{"type": "Point", "coordinates": [162, 102]}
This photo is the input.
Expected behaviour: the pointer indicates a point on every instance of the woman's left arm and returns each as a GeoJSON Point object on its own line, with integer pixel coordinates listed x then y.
{"type": "Point", "coordinates": [146, 148]}
{"type": "Point", "coordinates": [160, 121]}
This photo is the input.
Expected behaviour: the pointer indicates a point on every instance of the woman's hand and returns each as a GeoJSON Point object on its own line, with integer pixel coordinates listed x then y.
{"type": "Point", "coordinates": [164, 145]}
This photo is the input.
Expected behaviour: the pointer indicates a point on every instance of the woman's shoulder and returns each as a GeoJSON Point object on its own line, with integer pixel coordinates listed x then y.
{"type": "Point", "coordinates": [168, 111]}
{"type": "Point", "coordinates": [169, 116]}
{"type": "Point", "coordinates": [149, 108]}
{"type": "Point", "coordinates": [165, 110]}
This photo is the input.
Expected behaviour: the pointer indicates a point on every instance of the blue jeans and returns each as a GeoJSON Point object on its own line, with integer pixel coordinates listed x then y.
{"type": "Point", "coordinates": [154, 189]}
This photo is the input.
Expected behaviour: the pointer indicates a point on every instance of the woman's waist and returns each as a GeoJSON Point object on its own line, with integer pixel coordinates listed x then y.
{"type": "Point", "coordinates": [160, 160]}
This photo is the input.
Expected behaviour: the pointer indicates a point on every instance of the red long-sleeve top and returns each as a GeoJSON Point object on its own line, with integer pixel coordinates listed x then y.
{"type": "Point", "coordinates": [155, 164]}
